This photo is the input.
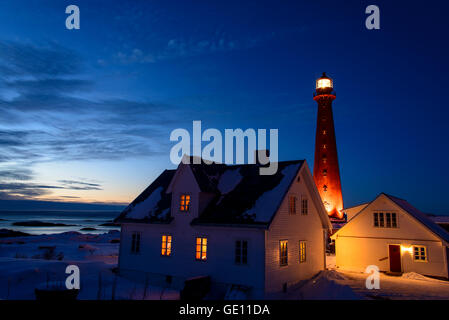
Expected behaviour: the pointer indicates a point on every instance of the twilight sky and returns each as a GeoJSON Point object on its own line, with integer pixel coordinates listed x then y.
{"type": "Point", "coordinates": [86, 115]}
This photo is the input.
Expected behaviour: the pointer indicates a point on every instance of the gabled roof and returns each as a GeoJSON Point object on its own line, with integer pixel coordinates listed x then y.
{"type": "Point", "coordinates": [153, 204]}
{"type": "Point", "coordinates": [413, 212]}
{"type": "Point", "coordinates": [421, 217]}
{"type": "Point", "coordinates": [240, 195]}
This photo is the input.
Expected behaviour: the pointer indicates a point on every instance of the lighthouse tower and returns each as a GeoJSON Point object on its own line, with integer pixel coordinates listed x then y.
{"type": "Point", "coordinates": [326, 172]}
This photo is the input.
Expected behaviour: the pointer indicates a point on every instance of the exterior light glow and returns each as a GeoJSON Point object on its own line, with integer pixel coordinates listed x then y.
{"type": "Point", "coordinates": [406, 249]}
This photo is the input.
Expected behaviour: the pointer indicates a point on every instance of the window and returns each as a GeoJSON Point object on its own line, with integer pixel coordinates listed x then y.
{"type": "Point", "coordinates": [394, 223]}
{"type": "Point", "coordinates": [325, 172]}
{"type": "Point", "coordinates": [324, 158]}
{"type": "Point", "coordinates": [324, 132]}
{"type": "Point", "coordinates": [419, 253]}
{"type": "Point", "coordinates": [324, 146]}
{"type": "Point", "coordinates": [304, 206]}
{"type": "Point", "coordinates": [302, 251]}
{"type": "Point", "coordinates": [292, 205]}
{"type": "Point", "coordinates": [381, 219]}
{"type": "Point", "coordinates": [166, 245]}
{"type": "Point", "coordinates": [135, 242]}
{"type": "Point", "coordinates": [241, 252]}
{"type": "Point", "coordinates": [184, 203]}
{"type": "Point", "coordinates": [388, 215]}
{"type": "Point", "coordinates": [385, 220]}
{"type": "Point", "coordinates": [283, 252]}
{"type": "Point", "coordinates": [201, 249]}
{"type": "Point", "coordinates": [324, 188]}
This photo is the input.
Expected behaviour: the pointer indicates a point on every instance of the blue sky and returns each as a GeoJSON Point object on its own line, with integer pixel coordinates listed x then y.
{"type": "Point", "coordinates": [86, 115]}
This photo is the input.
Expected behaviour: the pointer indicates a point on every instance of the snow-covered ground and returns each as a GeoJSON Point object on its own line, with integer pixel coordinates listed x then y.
{"type": "Point", "coordinates": [40, 261]}
{"type": "Point", "coordinates": [339, 284]}
{"type": "Point", "coordinates": [31, 262]}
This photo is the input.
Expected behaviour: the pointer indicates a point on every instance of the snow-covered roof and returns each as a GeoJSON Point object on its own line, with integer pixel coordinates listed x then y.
{"type": "Point", "coordinates": [421, 217]}
{"type": "Point", "coordinates": [153, 204]}
{"type": "Point", "coordinates": [240, 194]}
{"type": "Point", "coordinates": [243, 196]}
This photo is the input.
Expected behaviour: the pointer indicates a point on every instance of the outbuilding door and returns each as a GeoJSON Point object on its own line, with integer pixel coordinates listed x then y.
{"type": "Point", "coordinates": [395, 257]}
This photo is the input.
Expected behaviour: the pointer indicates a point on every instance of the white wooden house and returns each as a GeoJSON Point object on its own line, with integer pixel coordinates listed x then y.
{"type": "Point", "coordinates": [395, 236]}
{"type": "Point", "coordinates": [244, 230]}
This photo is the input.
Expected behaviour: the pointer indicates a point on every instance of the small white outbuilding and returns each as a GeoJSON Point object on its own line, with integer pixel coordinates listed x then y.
{"type": "Point", "coordinates": [395, 236]}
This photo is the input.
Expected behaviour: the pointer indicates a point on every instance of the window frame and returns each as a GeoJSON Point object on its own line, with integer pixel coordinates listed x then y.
{"type": "Point", "coordinates": [283, 258]}
{"type": "Point", "coordinates": [425, 253]}
{"type": "Point", "coordinates": [292, 210]}
{"type": "Point", "coordinates": [302, 251]}
{"type": "Point", "coordinates": [305, 200]}
{"type": "Point", "coordinates": [239, 261]}
{"type": "Point", "coordinates": [189, 205]}
{"type": "Point", "coordinates": [136, 237]}
{"type": "Point", "coordinates": [381, 219]}
{"type": "Point", "coordinates": [202, 246]}
{"type": "Point", "coordinates": [167, 235]}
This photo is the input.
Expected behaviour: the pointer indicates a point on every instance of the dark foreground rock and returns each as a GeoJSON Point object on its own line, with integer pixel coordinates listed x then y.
{"type": "Point", "coordinates": [6, 233]}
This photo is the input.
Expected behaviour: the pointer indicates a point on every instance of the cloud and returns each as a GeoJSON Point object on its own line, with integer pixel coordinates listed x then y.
{"type": "Point", "coordinates": [19, 59]}
{"type": "Point", "coordinates": [80, 185]}
{"type": "Point", "coordinates": [46, 117]}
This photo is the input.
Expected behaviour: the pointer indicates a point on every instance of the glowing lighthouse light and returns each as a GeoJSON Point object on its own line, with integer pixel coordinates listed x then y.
{"type": "Point", "coordinates": [323, 83]}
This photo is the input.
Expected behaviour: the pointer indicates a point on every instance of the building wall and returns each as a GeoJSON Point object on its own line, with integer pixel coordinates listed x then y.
{"type": "Point", "coordinates": [220, 263]}
{"type": "Point", "coordinates": [294, 228]}
{"type": "Point", "coordinates": [351, 212]}
{"type": "Point", "coordinates": [360, 244]}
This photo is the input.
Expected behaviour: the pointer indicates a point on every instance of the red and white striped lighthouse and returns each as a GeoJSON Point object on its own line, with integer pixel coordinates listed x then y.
{"type": "Point", "coordinates": [326, 172]}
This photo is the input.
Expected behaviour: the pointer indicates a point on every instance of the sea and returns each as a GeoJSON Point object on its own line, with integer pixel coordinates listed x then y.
{"type": "Point", "coordinates": [71, 220]}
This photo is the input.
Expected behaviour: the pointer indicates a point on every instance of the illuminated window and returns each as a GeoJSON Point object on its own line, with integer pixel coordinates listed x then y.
{"type": "Point", "coordinates": [385, 220]}
{"type": "Point", "coordinates": [324, 146]}
{"type": "Point", "coordinates": [166, 245]}
{"type": "Point", "coordinates": [201, 249]}
{"type": "Point", "coordinates": [325, 172]}
{"type": "Point", "coordinates": [241, 252]}
{"type": "Point", "coordinates": [292, 205]}
{"type": "Point", "coordinates": [184, 203]}
{"type": "Point", "coordinates": [324, 132]}
{"type": "Point", "coordinates": [325, 188]}
{"type": "Point", "coordinates": [135, 242]}
{"type": "Point", "coordinates": [283, 252]}
{"type": "Point", "coordinates": [419, 254]}
{"type": "Point", "coordinates": [304, 206]}
{"type": "Point", "coordinates": [302, 251]}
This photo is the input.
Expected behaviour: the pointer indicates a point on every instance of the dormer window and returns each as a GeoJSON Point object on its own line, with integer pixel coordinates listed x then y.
{"type": "Point", "coordinates": [184, 203]}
